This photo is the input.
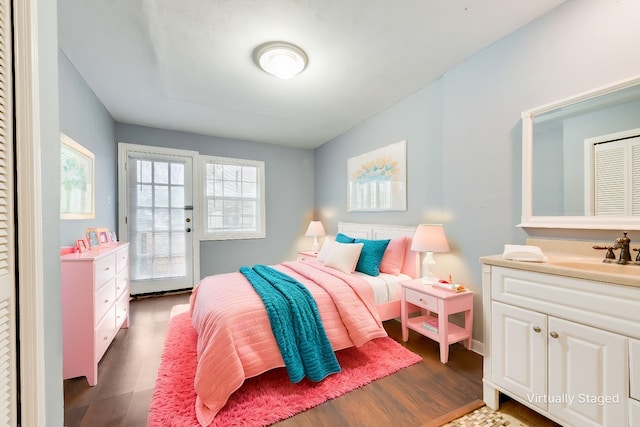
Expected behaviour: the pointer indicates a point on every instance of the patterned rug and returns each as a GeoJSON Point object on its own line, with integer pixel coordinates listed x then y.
{"type": "Point", "coordinates": [486, 417]}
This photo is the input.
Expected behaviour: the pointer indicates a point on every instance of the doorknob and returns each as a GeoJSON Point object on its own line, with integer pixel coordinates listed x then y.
{"type": "Point", "coordinates": [188, 230]}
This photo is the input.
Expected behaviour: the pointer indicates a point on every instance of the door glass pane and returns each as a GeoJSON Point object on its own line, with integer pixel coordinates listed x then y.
{"type": "Point", "coordinates": [157, 219]}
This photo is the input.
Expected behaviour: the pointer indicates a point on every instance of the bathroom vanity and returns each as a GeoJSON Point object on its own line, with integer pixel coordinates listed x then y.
{"type": "Point", "coordinates": [563, 338]}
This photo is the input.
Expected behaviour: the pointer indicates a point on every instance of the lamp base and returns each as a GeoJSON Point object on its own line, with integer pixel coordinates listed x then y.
{"type": "Point", "coordinates": [316, 245]}
{"type": "Point", "coordinates": [427, 269]}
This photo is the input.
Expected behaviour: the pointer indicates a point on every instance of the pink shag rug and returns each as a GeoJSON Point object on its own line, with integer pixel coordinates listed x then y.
{"type": "Point", "coordinates": [270, 397]}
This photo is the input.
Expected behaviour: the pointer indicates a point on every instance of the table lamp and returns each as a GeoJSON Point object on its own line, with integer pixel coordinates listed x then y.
{"type": "Point", "coordinates": [315, 229]}
{"type": "Point", "coordinates": [429, 238]}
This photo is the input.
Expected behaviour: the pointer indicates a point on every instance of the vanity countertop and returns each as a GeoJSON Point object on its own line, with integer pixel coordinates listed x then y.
{"type": "Point", "coordinates": [581, 267]}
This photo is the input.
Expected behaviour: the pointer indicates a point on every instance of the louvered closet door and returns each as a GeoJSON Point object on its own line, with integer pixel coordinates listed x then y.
{"type": "Point", "coordinates": [8, 341]}
{"type": "Point", "coordinates": [617, 177]}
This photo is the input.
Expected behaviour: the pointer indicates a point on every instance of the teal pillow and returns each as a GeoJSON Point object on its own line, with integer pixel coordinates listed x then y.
{"type": "Point", "coordinates": [343, 238]}
{"type": "Point", "coordinates": [371, 256]}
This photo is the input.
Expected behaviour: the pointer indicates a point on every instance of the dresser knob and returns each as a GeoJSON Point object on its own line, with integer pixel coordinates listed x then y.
{"type": "Point", "coordinates": [106, 301]}
{"type": "Point", "coordinates": [537, 329]}
{"type": "Point", "coordinates": [553, 334]}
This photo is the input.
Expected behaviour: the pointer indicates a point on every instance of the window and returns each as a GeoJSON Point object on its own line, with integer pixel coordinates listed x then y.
{"type": "Point", "coordinates": [234, 205]}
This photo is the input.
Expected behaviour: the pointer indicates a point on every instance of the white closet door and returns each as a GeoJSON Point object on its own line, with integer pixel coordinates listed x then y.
{"type": "Point", "coordinates": [8, 367]}
{"type": "Point", "coordinates": [635, 177]}
{"type": "Point", "coordinates": [617, 177]}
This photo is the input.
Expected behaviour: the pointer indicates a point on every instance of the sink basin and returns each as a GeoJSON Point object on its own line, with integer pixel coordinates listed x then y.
{"type": "Point", "coordinates": [595, 265]}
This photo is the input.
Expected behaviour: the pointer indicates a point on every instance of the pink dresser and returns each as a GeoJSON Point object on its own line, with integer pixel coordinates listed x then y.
{"type": "Point", "coordinates": [95, 305]}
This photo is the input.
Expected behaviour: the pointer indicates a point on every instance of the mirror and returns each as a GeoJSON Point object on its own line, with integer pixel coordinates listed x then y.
{"type": "Point", "coordinates": [564, 148]}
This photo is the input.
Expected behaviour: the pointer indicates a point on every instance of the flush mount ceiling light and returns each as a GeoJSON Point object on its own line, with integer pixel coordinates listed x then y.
{"type": "Point", "coordinates": [281, 59]}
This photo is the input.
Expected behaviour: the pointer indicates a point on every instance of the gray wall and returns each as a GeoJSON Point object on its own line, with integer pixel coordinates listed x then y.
{"type": "Point", "coordinates": [87, 121]}
{"type": "Point", "coordinates": [289, 195]}
{"type": "Point", "coordinates": [464, 131]}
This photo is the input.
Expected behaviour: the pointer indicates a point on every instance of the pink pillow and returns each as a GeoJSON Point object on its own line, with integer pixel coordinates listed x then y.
{"type": "Point", "coordinates": [394, 256]}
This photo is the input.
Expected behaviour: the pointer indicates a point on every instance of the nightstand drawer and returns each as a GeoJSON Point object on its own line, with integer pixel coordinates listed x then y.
{"type": "Point", "coordinates": [421, 300]}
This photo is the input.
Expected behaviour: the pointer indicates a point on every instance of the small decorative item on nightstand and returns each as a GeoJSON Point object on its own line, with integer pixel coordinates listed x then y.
{"type": "Point", "coordinates": [442, 302]}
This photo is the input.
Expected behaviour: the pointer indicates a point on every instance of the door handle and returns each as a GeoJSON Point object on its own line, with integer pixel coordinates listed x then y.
{"type": "Point", "coordinates": [188, 230]}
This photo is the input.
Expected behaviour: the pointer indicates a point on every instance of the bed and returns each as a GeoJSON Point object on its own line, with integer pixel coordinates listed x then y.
{"type": "Point", "coordinates": [235, 339]}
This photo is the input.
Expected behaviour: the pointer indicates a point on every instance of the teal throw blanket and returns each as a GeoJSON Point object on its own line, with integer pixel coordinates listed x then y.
{"type": "Point", "coordinates": [295, 322]}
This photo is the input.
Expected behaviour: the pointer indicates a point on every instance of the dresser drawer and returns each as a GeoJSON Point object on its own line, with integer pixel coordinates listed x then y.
{"type": "Point", "coordinates": [122, 309]}
{"type": "Point", "coordinates": [105, 270]}
{"type": "Point", "coordinates": [104, 332]}
{"type": "Point", "coordinates": [421, 300]}
{"type": "Point", "coordinates": [122, 259]}
{"type": "Point", "coordinates": [105, 297]}
{"type": "Point", "coordinates": [122, 283]}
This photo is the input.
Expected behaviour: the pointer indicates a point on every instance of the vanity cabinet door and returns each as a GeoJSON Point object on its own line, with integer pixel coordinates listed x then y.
{"type": "Point", "coordinates": [519, 352]}
{"type": "Point", "coordinates": [587, 375]}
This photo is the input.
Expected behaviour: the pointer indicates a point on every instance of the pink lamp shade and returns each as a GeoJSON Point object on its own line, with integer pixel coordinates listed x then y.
{"type": "Point", "coordinates": [315, 229]}
{"type": "Point", "coordinates": [429, 238]}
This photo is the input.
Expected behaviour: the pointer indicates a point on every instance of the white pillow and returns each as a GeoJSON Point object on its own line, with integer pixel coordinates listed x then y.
{"type": "Point", "coordinates": [344, 256]}
{"type": "Point", "coordinates": [326, 248]}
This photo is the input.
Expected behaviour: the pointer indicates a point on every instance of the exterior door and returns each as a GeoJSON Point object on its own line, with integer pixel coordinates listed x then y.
{"type": "Point", "coordinates": [158, 220]}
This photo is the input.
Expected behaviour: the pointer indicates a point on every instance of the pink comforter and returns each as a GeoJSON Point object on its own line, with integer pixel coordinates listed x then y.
{"type": "Point", "coordinates": [235, 341]}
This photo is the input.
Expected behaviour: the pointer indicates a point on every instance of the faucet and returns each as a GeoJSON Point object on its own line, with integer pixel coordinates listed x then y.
{"type": "Point", "coordinates": [610, 256]}
{"type": "Point", "coordinates": [622, 243]}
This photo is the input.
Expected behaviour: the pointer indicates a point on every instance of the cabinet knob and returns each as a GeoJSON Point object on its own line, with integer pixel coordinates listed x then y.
{"type": "Point", "coordinates": [536, 329]}
{"type": "Point", "coordinates": [553, 334]}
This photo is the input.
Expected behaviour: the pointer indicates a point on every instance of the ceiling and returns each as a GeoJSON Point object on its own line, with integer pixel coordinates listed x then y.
{"type": "Point", "coordinates": [187, 64]}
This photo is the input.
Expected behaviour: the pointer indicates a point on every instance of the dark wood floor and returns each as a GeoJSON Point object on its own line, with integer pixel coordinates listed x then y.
{"type": "Point", "coordinates": [415, 396]}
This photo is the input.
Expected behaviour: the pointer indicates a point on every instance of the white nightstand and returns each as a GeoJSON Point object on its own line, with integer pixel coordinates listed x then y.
{"type": "Point", "coordinates": [307, 254]}
{"type": "Point", "coordinates": [443, 302]}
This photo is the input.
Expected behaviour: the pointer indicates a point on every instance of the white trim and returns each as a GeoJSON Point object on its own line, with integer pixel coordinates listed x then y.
{"type": "Point", "coordinates": [124, 149]}
{"type": "Point", "coordinates": [230, 235]}
{"type": "Point", "coordinates": [29, 209]}
{"type": "Point", "coordinates": [528, 220]}
{"type": "Point", "coordinates": [593, 93]}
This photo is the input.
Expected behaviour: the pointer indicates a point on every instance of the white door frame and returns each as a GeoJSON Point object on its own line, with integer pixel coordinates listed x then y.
{"type": "Point", "coordinates": [29, 209]}
{"type": "Point", "coordinates": [124, 149]}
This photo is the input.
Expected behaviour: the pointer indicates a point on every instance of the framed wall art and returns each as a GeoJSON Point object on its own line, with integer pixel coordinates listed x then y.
{"type": "Point", "coordinates": [76, 180]}
{"type": "Point", "coordinates": [377, 180]}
